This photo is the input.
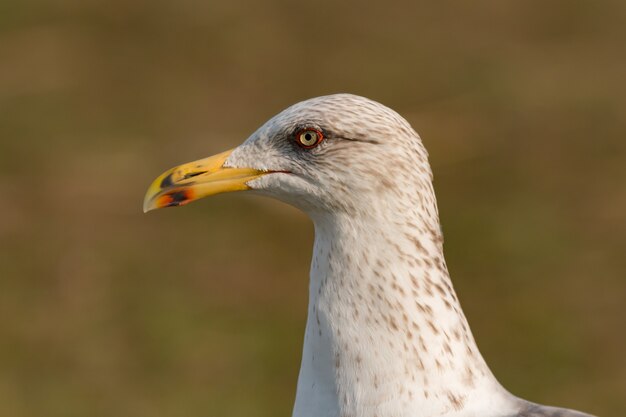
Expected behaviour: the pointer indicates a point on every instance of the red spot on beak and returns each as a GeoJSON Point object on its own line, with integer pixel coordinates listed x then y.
{"type": "Point", "coordinates": [175, 198]}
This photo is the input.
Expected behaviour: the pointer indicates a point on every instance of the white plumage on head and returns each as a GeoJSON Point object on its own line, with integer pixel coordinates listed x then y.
{"type": "Point", "coordinates": [385, 334]}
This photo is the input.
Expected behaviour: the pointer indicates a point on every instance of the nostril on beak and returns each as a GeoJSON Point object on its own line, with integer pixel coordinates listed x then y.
{"type": "Point", "coordinates": [194, 174]}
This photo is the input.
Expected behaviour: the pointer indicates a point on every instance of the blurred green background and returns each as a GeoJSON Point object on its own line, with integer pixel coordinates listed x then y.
{"type": "Point", "coordinates": [105, 311]}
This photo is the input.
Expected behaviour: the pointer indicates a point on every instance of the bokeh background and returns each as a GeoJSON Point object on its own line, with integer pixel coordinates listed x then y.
{"type": "Point", "coordinates": [105, 311]}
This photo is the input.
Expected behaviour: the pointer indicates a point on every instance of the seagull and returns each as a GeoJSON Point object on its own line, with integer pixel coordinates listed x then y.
{"type": "Point", "coordinates": [385, 333]}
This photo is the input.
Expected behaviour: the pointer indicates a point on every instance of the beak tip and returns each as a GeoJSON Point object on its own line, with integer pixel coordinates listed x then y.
{"type": "Point", "coordinates": [148, 204]}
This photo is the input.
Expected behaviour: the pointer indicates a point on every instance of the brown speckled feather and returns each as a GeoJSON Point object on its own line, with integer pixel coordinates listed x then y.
{"type": "Point", "coordinates": [386, 335]}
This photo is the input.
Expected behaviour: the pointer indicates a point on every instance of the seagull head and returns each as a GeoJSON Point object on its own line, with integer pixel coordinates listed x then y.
{"type": "Point", "coordinates": [337, 153]}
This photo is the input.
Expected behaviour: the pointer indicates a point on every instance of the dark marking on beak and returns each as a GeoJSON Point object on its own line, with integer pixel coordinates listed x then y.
{"type": "Point", "coordinates": [167, 181]}
{"type": "Point", "coordinates": [178, 197]}
{"type": "Point", "coordinates": [175, 198]}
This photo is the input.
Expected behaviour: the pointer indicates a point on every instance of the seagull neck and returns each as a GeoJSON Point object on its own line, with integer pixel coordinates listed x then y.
{"type": "Point", "coordinates": [385, 334]}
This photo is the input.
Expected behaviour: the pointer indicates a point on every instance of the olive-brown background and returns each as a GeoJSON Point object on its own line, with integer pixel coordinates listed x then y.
{"type": "Point", "coordinates": [200, 311]}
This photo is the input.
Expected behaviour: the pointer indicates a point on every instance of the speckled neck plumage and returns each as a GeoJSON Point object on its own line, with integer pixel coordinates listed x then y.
{"type": "Point", "coordinates": [386, 335]}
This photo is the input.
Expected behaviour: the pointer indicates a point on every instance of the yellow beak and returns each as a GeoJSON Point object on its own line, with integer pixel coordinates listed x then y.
{"type": "Point", "coordinates": [189, 182]}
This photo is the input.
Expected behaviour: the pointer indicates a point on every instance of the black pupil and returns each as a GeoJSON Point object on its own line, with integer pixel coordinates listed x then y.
{"type": "Point", "coordinates": [308, 136]}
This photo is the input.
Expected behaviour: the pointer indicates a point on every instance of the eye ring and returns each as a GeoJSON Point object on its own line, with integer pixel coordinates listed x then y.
{"type": "Point", "coordinates": [309, 138]}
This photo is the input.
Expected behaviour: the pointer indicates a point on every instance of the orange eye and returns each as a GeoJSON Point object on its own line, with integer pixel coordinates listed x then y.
{"type": "Point", "coordinates": [309, 138]}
